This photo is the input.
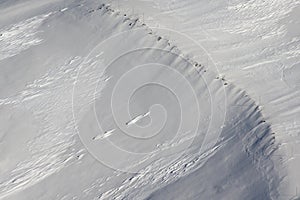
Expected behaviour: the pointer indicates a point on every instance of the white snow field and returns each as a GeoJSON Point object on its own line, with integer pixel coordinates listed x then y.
{"type": "Point", "coordinates": [143, 99]}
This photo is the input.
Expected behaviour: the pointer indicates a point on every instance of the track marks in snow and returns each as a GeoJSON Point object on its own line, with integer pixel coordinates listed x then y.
{"type": "Point", "coordinates": [47, 98]}
{"type": "Point", "coordinates": [260, 148]}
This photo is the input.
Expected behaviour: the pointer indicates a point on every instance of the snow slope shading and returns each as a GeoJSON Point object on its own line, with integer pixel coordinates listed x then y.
{"type": "Point", "coordinates": [227, 150]}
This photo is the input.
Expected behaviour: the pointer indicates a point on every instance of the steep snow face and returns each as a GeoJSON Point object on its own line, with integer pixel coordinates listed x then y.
{"type": "Point", "coordinates": [104, 107]}
{"type": "Point", "coordinates": [254, 44]}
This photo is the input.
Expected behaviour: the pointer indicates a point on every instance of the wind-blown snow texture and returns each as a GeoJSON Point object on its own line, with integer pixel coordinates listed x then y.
{"type": "Point", "coordinates": [240, 63]}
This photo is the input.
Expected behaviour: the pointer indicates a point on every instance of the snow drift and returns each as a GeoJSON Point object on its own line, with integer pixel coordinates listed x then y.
{"type": "Point", "coordinates": [70, 71]}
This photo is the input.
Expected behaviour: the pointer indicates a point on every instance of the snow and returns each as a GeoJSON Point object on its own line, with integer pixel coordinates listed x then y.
{"type": "Point", "coordinates": [149, 99]}
{"type": "Point", "coordinates": [20, 36]}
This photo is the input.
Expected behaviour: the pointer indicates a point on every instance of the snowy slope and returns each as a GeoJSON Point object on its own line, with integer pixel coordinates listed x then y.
{"type": "Point", "coordinates": [254, 44]}
{"type": "Point", "coordinates": [80, 81]}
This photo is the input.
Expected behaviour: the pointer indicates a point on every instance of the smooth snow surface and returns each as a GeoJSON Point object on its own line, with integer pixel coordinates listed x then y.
{"type": "Point", "coordinates": [145, 99]}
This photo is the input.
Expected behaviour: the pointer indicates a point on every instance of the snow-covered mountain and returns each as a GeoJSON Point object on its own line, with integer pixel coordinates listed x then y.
{"type": "Point", "coordinates": [149, 99]}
